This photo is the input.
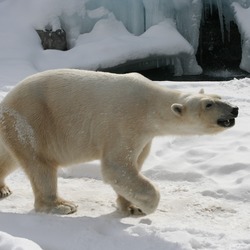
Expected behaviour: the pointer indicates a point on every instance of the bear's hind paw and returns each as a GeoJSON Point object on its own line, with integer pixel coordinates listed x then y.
{"type": "Point", "coordinates": [4, 192]}
{"type": "Point", "coordinates": [68, 208]}
{"type": "Point", "coordinates": [60, 206]}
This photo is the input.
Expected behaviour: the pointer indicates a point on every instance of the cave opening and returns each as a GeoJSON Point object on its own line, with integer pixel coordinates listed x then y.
{"type": "Point", "coordinates": [219, 50]}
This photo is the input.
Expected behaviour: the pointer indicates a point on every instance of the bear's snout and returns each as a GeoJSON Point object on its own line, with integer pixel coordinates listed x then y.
{"type": "Point", "coordinates": [228, 119]}
{"type": "Point", "coordinates": [235, 111]}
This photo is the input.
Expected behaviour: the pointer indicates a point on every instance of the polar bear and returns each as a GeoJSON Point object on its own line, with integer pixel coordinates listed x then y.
{"type": "Point", "coordinates": [67, 116]}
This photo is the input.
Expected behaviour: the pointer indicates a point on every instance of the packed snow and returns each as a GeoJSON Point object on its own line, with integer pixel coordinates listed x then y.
{"type": "Point", "coordinates": [204, 181]}
{"type": "Point", "coordinates": [204, 184]}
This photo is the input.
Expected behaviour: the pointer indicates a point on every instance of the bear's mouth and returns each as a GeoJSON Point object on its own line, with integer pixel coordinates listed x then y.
{"type": "Point", "coordinates": [226, 123]}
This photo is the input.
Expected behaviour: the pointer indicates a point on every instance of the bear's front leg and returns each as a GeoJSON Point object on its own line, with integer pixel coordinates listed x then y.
{"type": "Point", "coordinates": [129, 184]}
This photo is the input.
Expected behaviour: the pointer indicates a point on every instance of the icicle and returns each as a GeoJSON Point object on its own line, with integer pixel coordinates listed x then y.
{"type": "Point", "coordinates": [229, 31]}
{"type": "Point", "coordinates": [178, 71]}
{"type": "Point", "coordinates": [167, 61]}
{"type": "Point", "coordinates": [211, 7]}
{"type": "Point", "coordinates": [220, 13]}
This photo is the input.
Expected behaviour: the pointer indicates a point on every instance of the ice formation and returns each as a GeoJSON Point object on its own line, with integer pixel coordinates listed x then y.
{"type": "Point", "coordinates": [242, 16]}
{"type": "Point", "coordinates": [80, 17]}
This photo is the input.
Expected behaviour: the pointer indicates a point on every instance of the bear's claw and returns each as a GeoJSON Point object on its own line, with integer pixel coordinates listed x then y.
{"type": "Point", "coordinates": [4, 192]}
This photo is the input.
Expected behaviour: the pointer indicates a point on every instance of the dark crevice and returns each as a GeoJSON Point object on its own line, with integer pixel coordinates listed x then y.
{"type": "Point", "coordinates": [217, 51]}
{"type": "Point", "coordinates": [218, 55]}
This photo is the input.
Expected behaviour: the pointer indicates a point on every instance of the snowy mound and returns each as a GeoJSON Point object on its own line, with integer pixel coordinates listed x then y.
{"type": "Point", "coordinates": [8, 242]}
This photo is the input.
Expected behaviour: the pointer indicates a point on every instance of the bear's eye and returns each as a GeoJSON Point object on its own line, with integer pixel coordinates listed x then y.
{"type": "Point", "coordinates": [209, 105]}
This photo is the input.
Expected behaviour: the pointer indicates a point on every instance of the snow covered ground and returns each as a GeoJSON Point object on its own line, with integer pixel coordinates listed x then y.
{"type": "Point", "coordinates": [204, 181]}
{"type": "Point", "coordinates": [205, 194]}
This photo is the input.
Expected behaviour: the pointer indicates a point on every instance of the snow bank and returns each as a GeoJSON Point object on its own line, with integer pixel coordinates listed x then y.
{"type": "Point", "coordinates": [8, 242]}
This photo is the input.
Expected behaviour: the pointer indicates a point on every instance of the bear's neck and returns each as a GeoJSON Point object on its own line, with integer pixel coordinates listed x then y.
{"type": "Point", "coordinates": [161, 118]}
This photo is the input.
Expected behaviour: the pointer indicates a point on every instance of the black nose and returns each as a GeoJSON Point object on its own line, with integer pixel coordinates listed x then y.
{"type": "Point", "coordinates": [235, 111]}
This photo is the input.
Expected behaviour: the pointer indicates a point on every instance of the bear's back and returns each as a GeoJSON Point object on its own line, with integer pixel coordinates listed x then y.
{"type": "Point", "coordinates": [80, 86]}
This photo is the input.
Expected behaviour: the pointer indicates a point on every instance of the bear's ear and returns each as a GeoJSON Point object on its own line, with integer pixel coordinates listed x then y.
{"type": "Point", "coordinates": [177, 109]}
{"type": "Point", "coordinates": [201, 91]}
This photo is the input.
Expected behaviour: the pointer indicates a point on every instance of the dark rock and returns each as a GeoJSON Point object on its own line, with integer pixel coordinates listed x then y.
{"type": "Point", "coordinates": [53, 39]}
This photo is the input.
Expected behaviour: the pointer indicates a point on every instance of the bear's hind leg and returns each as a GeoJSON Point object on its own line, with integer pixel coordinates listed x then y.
{"type": "Point", "coordinates": [7, 166]}
{"type": "Point", "coordinates": [43, 178]}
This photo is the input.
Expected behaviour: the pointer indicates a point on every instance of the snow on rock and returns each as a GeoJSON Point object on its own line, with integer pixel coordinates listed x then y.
{"type": "Point", "coordinates": [9, 242]}
{"type": "Point", "coordinates": [110, 44]}
{"type": "Point", "coordinates": [242, 16]}
{"type": "Point", "coordinates": [80, 18]}
{"type": "Point", "coordinates": [19, 44]}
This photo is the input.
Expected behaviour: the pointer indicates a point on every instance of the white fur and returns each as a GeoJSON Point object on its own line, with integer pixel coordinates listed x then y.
{"type": "Point", "coordinates": [60, 117]}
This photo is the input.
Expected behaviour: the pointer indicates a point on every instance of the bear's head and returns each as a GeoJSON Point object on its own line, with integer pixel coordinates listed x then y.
{"type": "Point", "coordinates": [203, 114]}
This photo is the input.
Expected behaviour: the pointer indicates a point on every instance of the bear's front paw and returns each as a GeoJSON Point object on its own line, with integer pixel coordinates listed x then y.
{"type": "Point", "coordinates": [127, 208]}
{"type": "Point", "coordinates": [4, 192]}
{"type": "Point", "coordinates": [133, 210]}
